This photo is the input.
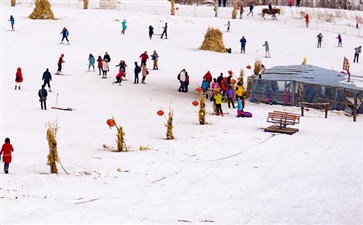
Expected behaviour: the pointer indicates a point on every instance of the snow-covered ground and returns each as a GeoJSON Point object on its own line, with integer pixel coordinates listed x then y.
{"type": "Point", "coordinates": [226, 172]}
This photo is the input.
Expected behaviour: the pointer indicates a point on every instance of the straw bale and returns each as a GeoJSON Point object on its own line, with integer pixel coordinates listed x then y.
{"type": "Point", "coordinates": [201, 112]}
{"type": "Point", "coordinates": [213, 41]}
{"type": "Point", "coordinates": [52, 143]}
{"type": "Point", "coordinates": [42, 10]}
{"type": "Point", "coordinates": [169, 125]}
{"type": "Point", "coordinates": [85, 4]}
{"type": "Point", "coordinates": [12, 2]}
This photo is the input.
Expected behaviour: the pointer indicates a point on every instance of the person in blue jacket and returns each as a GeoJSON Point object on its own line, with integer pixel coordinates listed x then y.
{"type": "Point", "coordinates": [243, 44]}
{"type": "Point", "coordinates": [12, 22]}
{"type": "Point", "coordinates": [65, 34]}
{"type": "Point", "coordinates": [124, 27]}
{"type": "Point", "coordinates": [205, 87]}
{"type": "Point", "coordinates": [267, 49]}
{"type": "Point", "coordinates": [91, 62]}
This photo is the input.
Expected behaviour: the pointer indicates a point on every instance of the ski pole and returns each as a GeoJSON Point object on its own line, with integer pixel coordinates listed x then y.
{"type": "Point", "coordinates": [56, 101]}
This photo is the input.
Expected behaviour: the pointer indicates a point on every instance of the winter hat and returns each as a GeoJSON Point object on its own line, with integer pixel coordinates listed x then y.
{"type": "Point", "coordinates": [230, 72]}
{"type": "Point", "coordinates": [62, 54]}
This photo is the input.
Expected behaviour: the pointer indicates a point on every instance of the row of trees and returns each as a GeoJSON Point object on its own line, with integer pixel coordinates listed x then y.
{"type": "Point", "coordinates": [334, 4]}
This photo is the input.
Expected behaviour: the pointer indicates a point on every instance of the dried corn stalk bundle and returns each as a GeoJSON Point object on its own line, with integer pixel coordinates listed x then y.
{"type": "Point", "coordinates": [172, 10]}
{"type": "Point", "coordinates": [241, 76]}
{"type": "Point", "coordinates": [42, 10]}
{"type": "Point", "coordinates": [121, 144]}
{"type": "Point", "coordinates": [234, 11]}
{"type": "Point", "coordinates": [257, 68]}
{"type": "Point", "coordinates": [201, 112]}
{"type": "Point", "coordinates": [85, 4]}
{"type": "Point", "coordinates": [213, 41]}
{"type": "Point", "coordinates": [52, 143]}
{"type": "Point", "coordinates": [169, 126]}
{"type": "Point", "coordinates": [12, 2]}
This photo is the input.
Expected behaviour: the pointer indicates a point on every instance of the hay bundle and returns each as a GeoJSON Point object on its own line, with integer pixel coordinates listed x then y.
{"type": "Point", "coordinates": [52, 143]}
{"type": "Point", "coordinates": [12, 2]}
{"type": "Point", "coordinates": [213, 41]}
{"type": "Point", "coordinates": [42, 10]}
{"type": "Point", "coordinates": [85, 4]}
{"type": "Point", "coordinates": [201, 112]}
{"type": "Point", "coordinates": [121, 144]}
{"type": "Point", "coordinates": [257, 68]}
{"type": "Point", "coordinates": [241, 76]}
{"type": "Point", "coordinates": [172, 10]}
{"type": "Point", "coordinates": [169, 126]}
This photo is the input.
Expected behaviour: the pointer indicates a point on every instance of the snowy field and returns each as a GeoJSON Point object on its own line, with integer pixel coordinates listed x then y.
{"type": "Point", "coordinates": [227, 172]}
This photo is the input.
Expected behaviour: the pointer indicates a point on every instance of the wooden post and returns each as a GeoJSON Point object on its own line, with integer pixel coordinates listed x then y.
{"type": "Point", "coordinates": [326, 111]}
{"type": "Point", "coordinates": [355, 108]}
{"type": "Point", "coordinates": [302, 108]}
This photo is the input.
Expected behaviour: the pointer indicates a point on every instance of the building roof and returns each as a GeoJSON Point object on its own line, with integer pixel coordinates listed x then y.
{"type": "Point", "coordinates": [309, 74]}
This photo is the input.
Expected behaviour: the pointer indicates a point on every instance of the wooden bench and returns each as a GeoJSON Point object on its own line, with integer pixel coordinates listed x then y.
{"type": "Point", "coordinates": [281, 121]}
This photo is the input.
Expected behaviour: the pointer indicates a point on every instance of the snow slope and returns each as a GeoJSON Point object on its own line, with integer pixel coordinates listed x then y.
{"type": "Point", "coordinates": [226, 172]}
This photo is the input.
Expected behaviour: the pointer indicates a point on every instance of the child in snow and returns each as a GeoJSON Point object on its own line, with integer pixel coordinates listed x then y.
{"type": "Point", "coordinates": [239, 90]}
{"type": "Point", "coordinates": [144, 72]}
{"type": "Point", "coordinates": [320, 39]}
{"type": "Point", "coordinates": [165, 31]}
{"type": "Point", "coordinates": [105, 69]}
{"type": "Point", "coordinates": [47, 77]}
{"type": "Point", "coordinates": [119, 77]}
{"type": "Point", "coordinates": [239, 107]}
{"type": "Point", "coordinates": [340, 44]}
{"type": "Point", "coordinates": [151, 31]}
{"type": "Point", "coordinates": [12, 22]}
{"type": "Point", "coordinates": [99, 64]}
{"type": "Point", "coordinates": [307, 20]}
{"type": "Point", "coordinates": [243, 44]}
{"type": "Point", "coordinates": [205, 86]}
{"type": "Point", "coordinates": [65, 34]}
{"type": "Point", "coordinates": [60, 62]}
{"type": "Point", "coordinates": [91, 62]}
{"type": "Point", "coordinates": [122, 66]}
{"type": "Point", "coordinates": [6, 151]}
{"type": "Point", "coordinates": [42, 94]}
{"type": "Point", "coordinates": [228, 25]}
{"type": "Point", "coordinates": [124, 27]}
{"type": "Point", "coordinates": [155, 58]}
{"type": "Point", "coordinates": [144, 57]}
{"type": "Point", "coordinates": [230, 95]}
{"type": "Point", "coordinates": [218, 102]}
{"type": "Point", "coordinates": [137, 70]}
{"type": "Point", "coordinates": [267, 49]}
{"type": "Point", "coordinates": [214, 87]}
{"type": "Point", "coordinates": [357, 51]}
{"type": "Point", "coordinates": [18, 78]}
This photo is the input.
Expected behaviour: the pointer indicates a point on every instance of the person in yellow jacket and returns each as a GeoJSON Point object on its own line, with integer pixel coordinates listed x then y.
{"type": "Point", "coordinates": [239, 90]}
{"type": "Point", "coordinates": [218, 98]}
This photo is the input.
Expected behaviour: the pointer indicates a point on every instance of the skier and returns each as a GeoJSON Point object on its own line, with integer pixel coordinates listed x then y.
{"type": "Point", "coordinates": [241, 12]}
{"type": "Point", "coordinates": [218, 102]}
{"type": "Point", "coordinates": [320, 39]}
{"type": "Point", "coordinates": [47, 77]}
{"type": "Point", "coordinates": [251, 10]}
{"type": "Point", "coordinates": [151, 31]}
{"type": "Point", "coordinates": [144, 72]}
{"type": "Point", "coordinates": [340, 44]}
{"type": "Point", "coordinates": [124, 27]}
{"type": "Point", "coordinates": [137, 70]}
{"type": "Point", "coordinates": [267, 49]}
{"type": "Point", "coordinates": [107, 57]}
{"type": "Point", "coordinates": [119, 77]}
{"type": "Point", "coordinates": [243, 44]}
{"type": "Point", "coordinates": [42, 93]}
{"type": "Point", "coordinates": [6, 151]}
{"type": "Point", "coordinates": [165, 31]}
{"type": "Point", "coordinates": [12, 22]}
{"type": "Point", "coordinates": [228, 25]}
{"type": "Point", "coordinates": [307, 20]}
{"type": "Point", "coordinates": [60, 62]}
{"type": "Point", "coordinates": [144, 57]}
{"type": "Point", "coordinates": [91, 62]}
{"type": "Point", "coordinates": [65, 34]}
{"type": "Point", "coordinates": [122, 66]}
{"type": "Point", "coordinates": [155, 58]}
{"type": "Point", "coordinates": [105, 69]}
{"type": "Point", "coordinates": [357, 51]}
{"type": "Point", "coordinates": [18, 78]}
{"type": "Point", "coordinates": [99, 64]}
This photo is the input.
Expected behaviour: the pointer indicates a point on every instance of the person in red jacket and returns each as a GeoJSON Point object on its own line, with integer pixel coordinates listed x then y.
{"type": "Point", "coordinates": [60, 62]}
{"type": "Point", "coordinates": [144, 57]}
{"type": "Point", "coordinates": [307, 20]}
{"type": "Point", "coordinates": [208, 77]}
{"type": "Point", "coordinates": [18, 78]}
{"type": "Point", "coordinates": [6, 152]}
{"type": "Point", "coordinates": [99, 64]}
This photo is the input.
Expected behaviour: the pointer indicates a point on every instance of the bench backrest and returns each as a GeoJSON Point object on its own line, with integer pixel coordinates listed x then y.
{"type": "Point", "coordinates": [278, 116]}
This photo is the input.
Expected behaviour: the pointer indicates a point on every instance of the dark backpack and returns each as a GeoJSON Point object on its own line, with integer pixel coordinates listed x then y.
{"type": "Point", "coordinates": [179, 76]}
